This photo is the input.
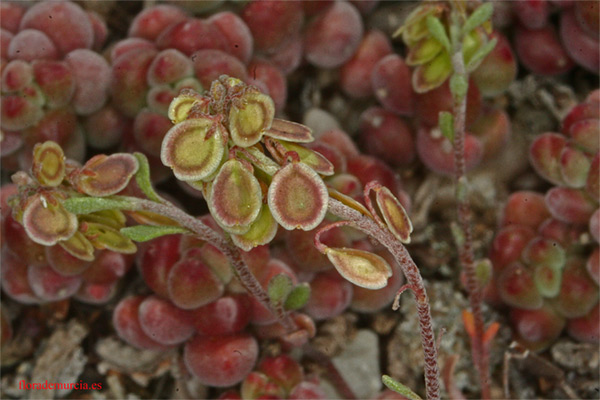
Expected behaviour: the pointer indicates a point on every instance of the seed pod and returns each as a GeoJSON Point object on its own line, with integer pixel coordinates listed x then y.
{"type": "Point", "coordinates": [47, 222]}
{"type": "Point", "coordinates": [262, 231]}
{"type": "Point", "coordinates": [298, 197]}
{"type": "Point", "coordinates": [106, 175]}
{"type": "Point", "coordinates": [394, 214]}
{"type": "Point", "coordinates": [360, 267]}
{"type": "Point", "coordinates": [194, 148]}
{"type": "Point", "coordinates": [48, 166]}
{"type": "Point", "coordinates": [235, 197]}
{"type": "Point", "coordinates": [250, 120]}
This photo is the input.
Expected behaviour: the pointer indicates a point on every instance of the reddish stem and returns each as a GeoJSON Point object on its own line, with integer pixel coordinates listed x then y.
{"type": "Point", "coordinates": [414, 279]}
{"type": "Point", "coordinates": [479, 352]}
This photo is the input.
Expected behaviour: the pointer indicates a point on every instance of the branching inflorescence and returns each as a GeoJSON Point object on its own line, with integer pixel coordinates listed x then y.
{"type": "Point", "coordinates": [255, 174]}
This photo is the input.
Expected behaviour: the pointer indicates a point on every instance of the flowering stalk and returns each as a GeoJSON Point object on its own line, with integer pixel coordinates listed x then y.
{"type": "Point", "coordinates": [415, 282]}
{"type": "Point", "coordinates": [459, 86]}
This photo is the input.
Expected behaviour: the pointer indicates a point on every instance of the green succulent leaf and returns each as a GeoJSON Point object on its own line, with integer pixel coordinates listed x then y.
{"type": "Point", "coordinates": [280, 286]}
{"type": "Point", "coordinates": [437, 30]}
{"type": "Point", "coordinates": [143, 233]}
{"type": "Point", "coordinates": [262, 231]}
{"type": "Point", "coordinates": [478, 17]}
{"type": "Point", "coordinates": [298, 297]}
{"type": "Point", "coordinates": [397, 387]}
{"type": "Point", "coordinates": [446, 120]}
{"type": "Point", "coordinates": [78, 246]}
{"type": "Point", "coordinates": [87, 205]}
{"type": "Point", "coordinates": [142, 177]}
{"type": "Point", "coordinates": [480, 54]}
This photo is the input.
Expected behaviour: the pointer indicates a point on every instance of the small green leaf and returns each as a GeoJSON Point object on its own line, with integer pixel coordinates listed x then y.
{"type": "Point", "coordinates": [86, 205]}
{"type": "Point", "coordinates": [280, 286]}
{"type": "Point", "coordinates": [458, 86]}
{"type": "Point", "coordinates": [480, 54]}
{"type": "Point", "coordinates": [298, 297]}
{"type": "Point", "coordinates": [143, 233]}
{"type": "Point", "coordinates": [437, 30]}
{"type": "Point", "coordinates": [478, 17]}
{"type": "Point", "coordinates": [142, 177]}
{"type": "Point", "coordinates": [399, 388]}
{"type": "Point", "coordinates": [447, 125]}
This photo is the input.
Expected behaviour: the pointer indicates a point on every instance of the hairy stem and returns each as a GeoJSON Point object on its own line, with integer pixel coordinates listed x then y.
{"type": "Point", "coordinates": [414, 279]}
{"type": "Point", "coordinates": [231, 251]}
{"type": "Point", "coordinates": [478, 349]}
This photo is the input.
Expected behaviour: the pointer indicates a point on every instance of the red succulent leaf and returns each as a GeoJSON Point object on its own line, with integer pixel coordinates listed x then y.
{"type": "Point", "coordinates": [544, 154]}
{"type": "Point", "coordinates": [570, 205]}
{"type": "Point", "coordinates": [517, 287]}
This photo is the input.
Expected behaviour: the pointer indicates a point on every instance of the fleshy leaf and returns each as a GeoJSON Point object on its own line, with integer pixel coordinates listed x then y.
{"type": "Point", "coordinates": [298, 197]}
{"type": "Point", "coordinates": [394, 214]}
{"type": "Point", "coordinates": [105, 237]}
{"type": "Point", "coordinates": [592, 186]}
{"type": "Point", "coordinates": [475, 58]}
{"type": "Point", "coordinates": [181, 105]}
{"type": "Point", "coordinates": [544, 154]}
{"type": "Point", "coordinates": [106, 175]}
{"type": "Point", "coordinates": [311, 158]}
{"type": "Point", "coordinates": [360, 267]}
{"type": "Point", "coordinates": [399, 388]}
{"type": "Point", "coordinates": [517, 288]}
{"type": "Point", "coordinates": [48, 166]}
{"type": "Point", "coordinates": [574, 167]}
{"type": "Point", "coordinates": [262, 231]}
{"type": "Point", "coordinates": [415, 25]}
{"type": "Point", "coordinates": [47, 222]}
{"type": "Point", "coordinates": [438, 32]}
{"type": "Point", "coordinates": [86, 205]}
{"type": "Point", "coordinates": [142, 177]}
{"type": "Point", "coordinates": [280, 286]}
{"type": "Point", "coordinates": [422, 52]}
{"type": "Point", "coordinates": [290, 131]}
{"type": "Point", "coordinates": [194, 148]}
{"type": "Point", "coordinates": [78, 246]}
{"type": "Point", "coordinates": [235, 198]}
{"type": "Point", "coordinates": [547, 279]}
{"type": "Point", "coordinates": [446, 121]}
{"type": "Point", "coordinates": [432, 74]}
{"type": "Point", "coordinates": [250, 120]}
{"type": "Point", "coordinates": [478, 17]}
{"type": "Point", "coordinates": [541, 251]}
{"type": "Point", "coordinates": [298, 297]}
{"type": "Point", "coordinates": [143, 233]}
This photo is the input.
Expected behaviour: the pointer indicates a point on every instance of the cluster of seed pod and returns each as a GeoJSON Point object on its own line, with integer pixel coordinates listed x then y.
{"type": "Point", "coordinates": [251, 167]}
